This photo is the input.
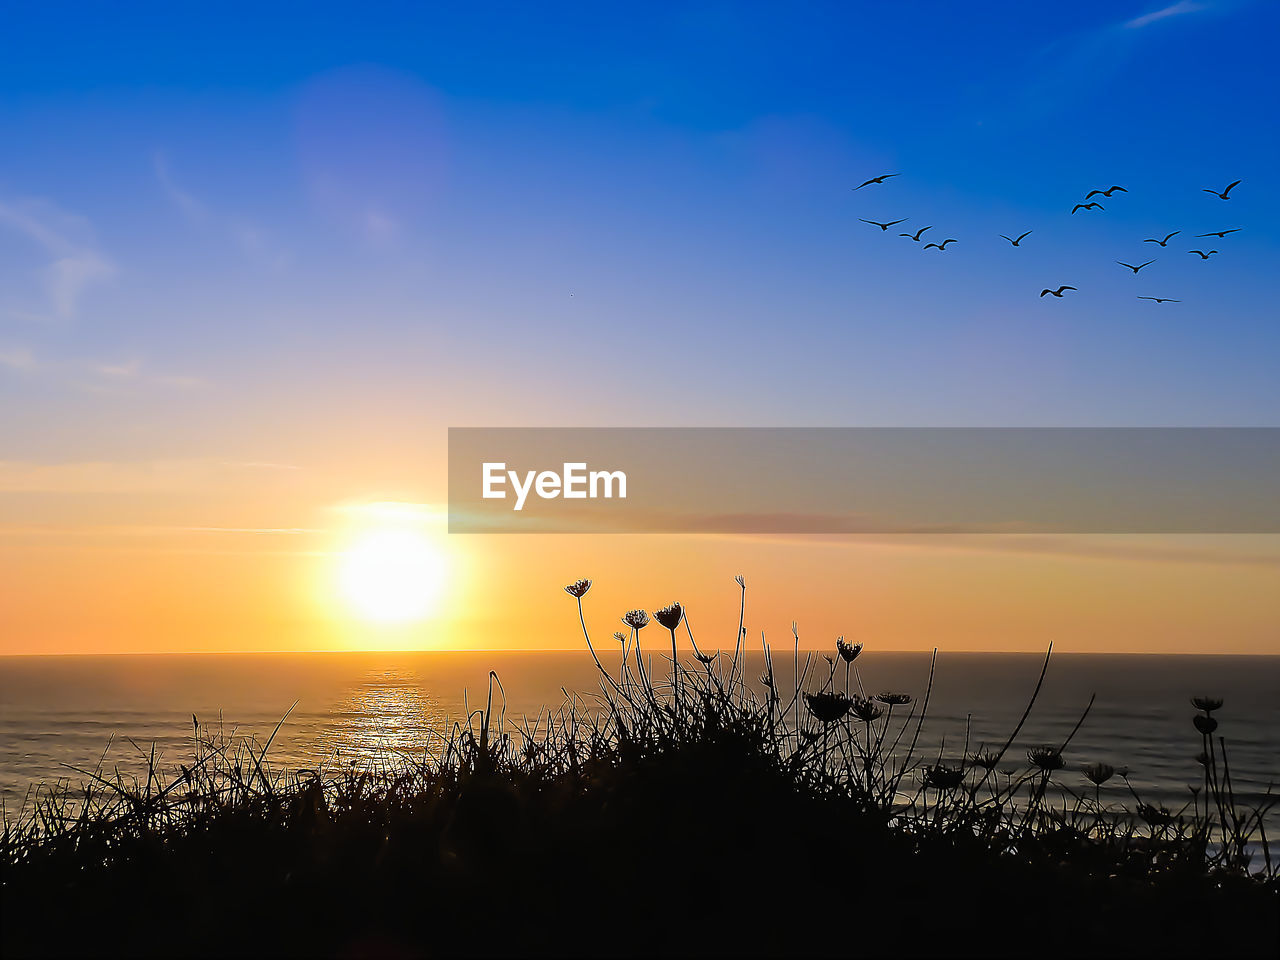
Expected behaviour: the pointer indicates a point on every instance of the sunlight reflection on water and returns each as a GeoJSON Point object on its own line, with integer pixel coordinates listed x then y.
{"type": "Point", "coordinates": [368, 708]}
{"type": "Point", "coordinates": [389, 713]}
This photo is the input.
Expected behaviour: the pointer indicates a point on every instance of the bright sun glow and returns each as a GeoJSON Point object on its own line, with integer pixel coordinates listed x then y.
{"type": "Point", "coordinates": [392, 576]}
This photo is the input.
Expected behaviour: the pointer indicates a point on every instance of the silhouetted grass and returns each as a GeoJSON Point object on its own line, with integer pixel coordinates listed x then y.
{"type": "Point", "coordinates": [691, 809]}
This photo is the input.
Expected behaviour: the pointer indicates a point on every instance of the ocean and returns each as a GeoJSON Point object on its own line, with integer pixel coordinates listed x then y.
{"type": "Point", "coordinates": [60, 716]}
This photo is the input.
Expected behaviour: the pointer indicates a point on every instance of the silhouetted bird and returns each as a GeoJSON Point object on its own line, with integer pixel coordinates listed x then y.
{"type": "Point", "coordinates": [885, 226]}
{"type": "Point", "coordinates": [1104, 193]}
{"type": "Point", "coordinates": [1087, 206]}
{"type": "Point", "coordinates": [1223, 194]}
{"type": "Point", "coordinates": [1133, 268]}
{"type": "Point", "coordinates": [916, 235]}
{"type": "Point", "coordinates": [1203, 255]}
{"type": "Point", "coordinates": [1013, 241]}
{"type": "Point", "coordinates": [880, 179]}
{"type": "Point", "coordinates": [1165, 241]}
{"type": "Point", "coordinates": [1160, 299]}
{"type": "Point", "coordinates": [1056, 293]}
{"type": "Point", "coordinates": [1220, 234]}
{"type": "Point", "coordinates": [942, 245]}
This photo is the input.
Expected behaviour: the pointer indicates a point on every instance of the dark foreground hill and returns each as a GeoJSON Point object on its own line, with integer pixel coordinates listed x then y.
{"type": "Point", "coordinates": [688, 816]}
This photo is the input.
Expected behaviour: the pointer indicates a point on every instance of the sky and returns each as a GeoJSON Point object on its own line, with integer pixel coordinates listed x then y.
{"type": "Point", "coordinates": [253, 266]}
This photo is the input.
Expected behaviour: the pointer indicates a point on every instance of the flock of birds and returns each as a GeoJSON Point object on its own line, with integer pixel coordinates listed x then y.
{"type": "Point", "coordinates": [1087, 204]}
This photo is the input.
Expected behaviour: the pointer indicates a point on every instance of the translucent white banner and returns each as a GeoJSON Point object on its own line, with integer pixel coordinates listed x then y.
{"type": "Point", "coordinates": [864, 480]}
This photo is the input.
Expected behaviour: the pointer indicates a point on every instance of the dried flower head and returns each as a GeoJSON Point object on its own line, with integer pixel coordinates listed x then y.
{"type": "Point", "coordinates": [578, 588]}
{"type": "Point", "coordinates": [1099, 773]}
{"type": "Point", "coordinates": [636, 619]}
{"type": "Point", "coordinates": [619, 636]}
{"type": "Point", "coordinates": [706, 659]}
{"type": "Point", "coordinates": [1207, 704]}
{"type": "Point", "coordinates": [1205, 723]}
{"type": "Point", "coordinates": [866, 709]}
{"type": "Point", "coordinates": [670, 616]}
{"type": "Point", "coordinates": [848, 651]}
{"type": "Point", "coordinates": [740, 581]}
{"type": "Point", "coordinates": [1046, 758]}
{"type": "Point", "coordinates": [943, 777]}
{"type": "Point", "coordinates": [828, 707]}
{"type": "Point", "coordinates": [893, 699]}
{"type": "Point", "coordinates": [987, 761]}
{"type": "Point", "coordinates": [1155, 816]}
{"type": "Point", "coordinates": [766, 679]}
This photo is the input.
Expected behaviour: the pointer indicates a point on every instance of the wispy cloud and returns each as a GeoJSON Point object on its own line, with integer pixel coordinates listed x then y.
{"type": "Point", "coordinates": [1173, 10]}
{"type": "Point", "coordinates": [249, 237]}
{"type": "Point", "coordinates": [1255, 550]}
{"type": "Point", "coordinates": [1073, 63]}
{"type": "Point", "coordinates": [179, 381]}
{"type": "Point", "coordinates": [134, 476]}
{"type": "Point", "coordinates": [115, 376]}
{"type": "Point", "coordinates": [184, 201]}
{"type": "Point", "coordinates": [75, 260]}
{"type": "Point", "coordinates": [17, 358]}
{"type": "Point", "coordinates": [119, 371]}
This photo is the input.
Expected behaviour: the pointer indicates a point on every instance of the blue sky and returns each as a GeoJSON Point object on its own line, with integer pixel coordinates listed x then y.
{"type": "Point", "coordinates": [337, 229]}
{"type": "Point", "coordinates": [253, 266]}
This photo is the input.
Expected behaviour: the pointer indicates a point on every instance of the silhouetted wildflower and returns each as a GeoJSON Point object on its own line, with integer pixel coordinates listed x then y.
{"type": "Point", "coordinates": [828, 707]}
{"type": "Point", "coordinates": [1205, 723]}
{"type": "Point", "coordinates": [767, 680]}
{"type": "Point", "coordinates": [740, 581]}
{"type": "Point", "coordinates": [1099, 773]}
{"type": "Point", "coordinates": [1207, 704]}
{"type": "Point", "coordinates": [636, 619]}
{"type": "Point", "coordinates": [866, 709]}
{"type": "Point", "coordinates": [1046, 758]}
{"type": "Point", "coordinates": [670, 616]}
{"type": "Point", "coordinates": [706, 659]}
{"type": "Point", "coordinates": [619, 636]}
{"type": "Point", "coordinates": [848, 651]}
{"type": "Point", "coordinates": [943, 777]}
{"type": "Point", "coordinates": [1155, 816]}
{"type": "Point", "coordinates": [893, 699]}
{"type": "Point", "coordinates": [987, 761]}
{"type": "Point", "coordinates": [578, 588]}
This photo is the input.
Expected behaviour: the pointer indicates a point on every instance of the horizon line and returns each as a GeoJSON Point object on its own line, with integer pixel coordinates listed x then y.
{"type": "Point", "coordinates": [506, 650]}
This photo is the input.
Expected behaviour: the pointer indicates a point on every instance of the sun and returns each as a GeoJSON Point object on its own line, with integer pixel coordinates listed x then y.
{"type": "Point", "coordinates": [392, 576]}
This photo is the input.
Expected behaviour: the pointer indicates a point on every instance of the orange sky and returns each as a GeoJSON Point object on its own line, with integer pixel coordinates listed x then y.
{"type": "Point", "coordinates": [242, 295]}
{"type": "Point", "coordinates": [223, 557]}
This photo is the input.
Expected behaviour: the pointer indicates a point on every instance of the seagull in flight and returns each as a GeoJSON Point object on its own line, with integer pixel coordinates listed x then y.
{"type": "Point", "coordinates": [1203, 255]}
{"type": "Point", "coordinates": [916, 235]}
{"type": "Point", "coordinates": [1165, 241]}
{"type": "Point", "coordinates": [1220, 234]}
{"type": "Point", "coordinates": [1087, 206]}
{"type": "Point", "coordinates": [1133, 268]}
{"type": "Point", "coordinates": [885, 226]}
{"type": "Point", "coordinates": [1104, 193]}
{"type": "Point", "coordinates": [942, 245]}
{"type": "Point", "coordinates": [1013, 241]}
{"type": "Point", "coordinates": [1056, 293]}
{"type": "Point", "coordinates": [1223, 194]}
{"type": "Point", "coordinates": [1160, 299]}
{"type": "Point", "coordinates": [880, 179]}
